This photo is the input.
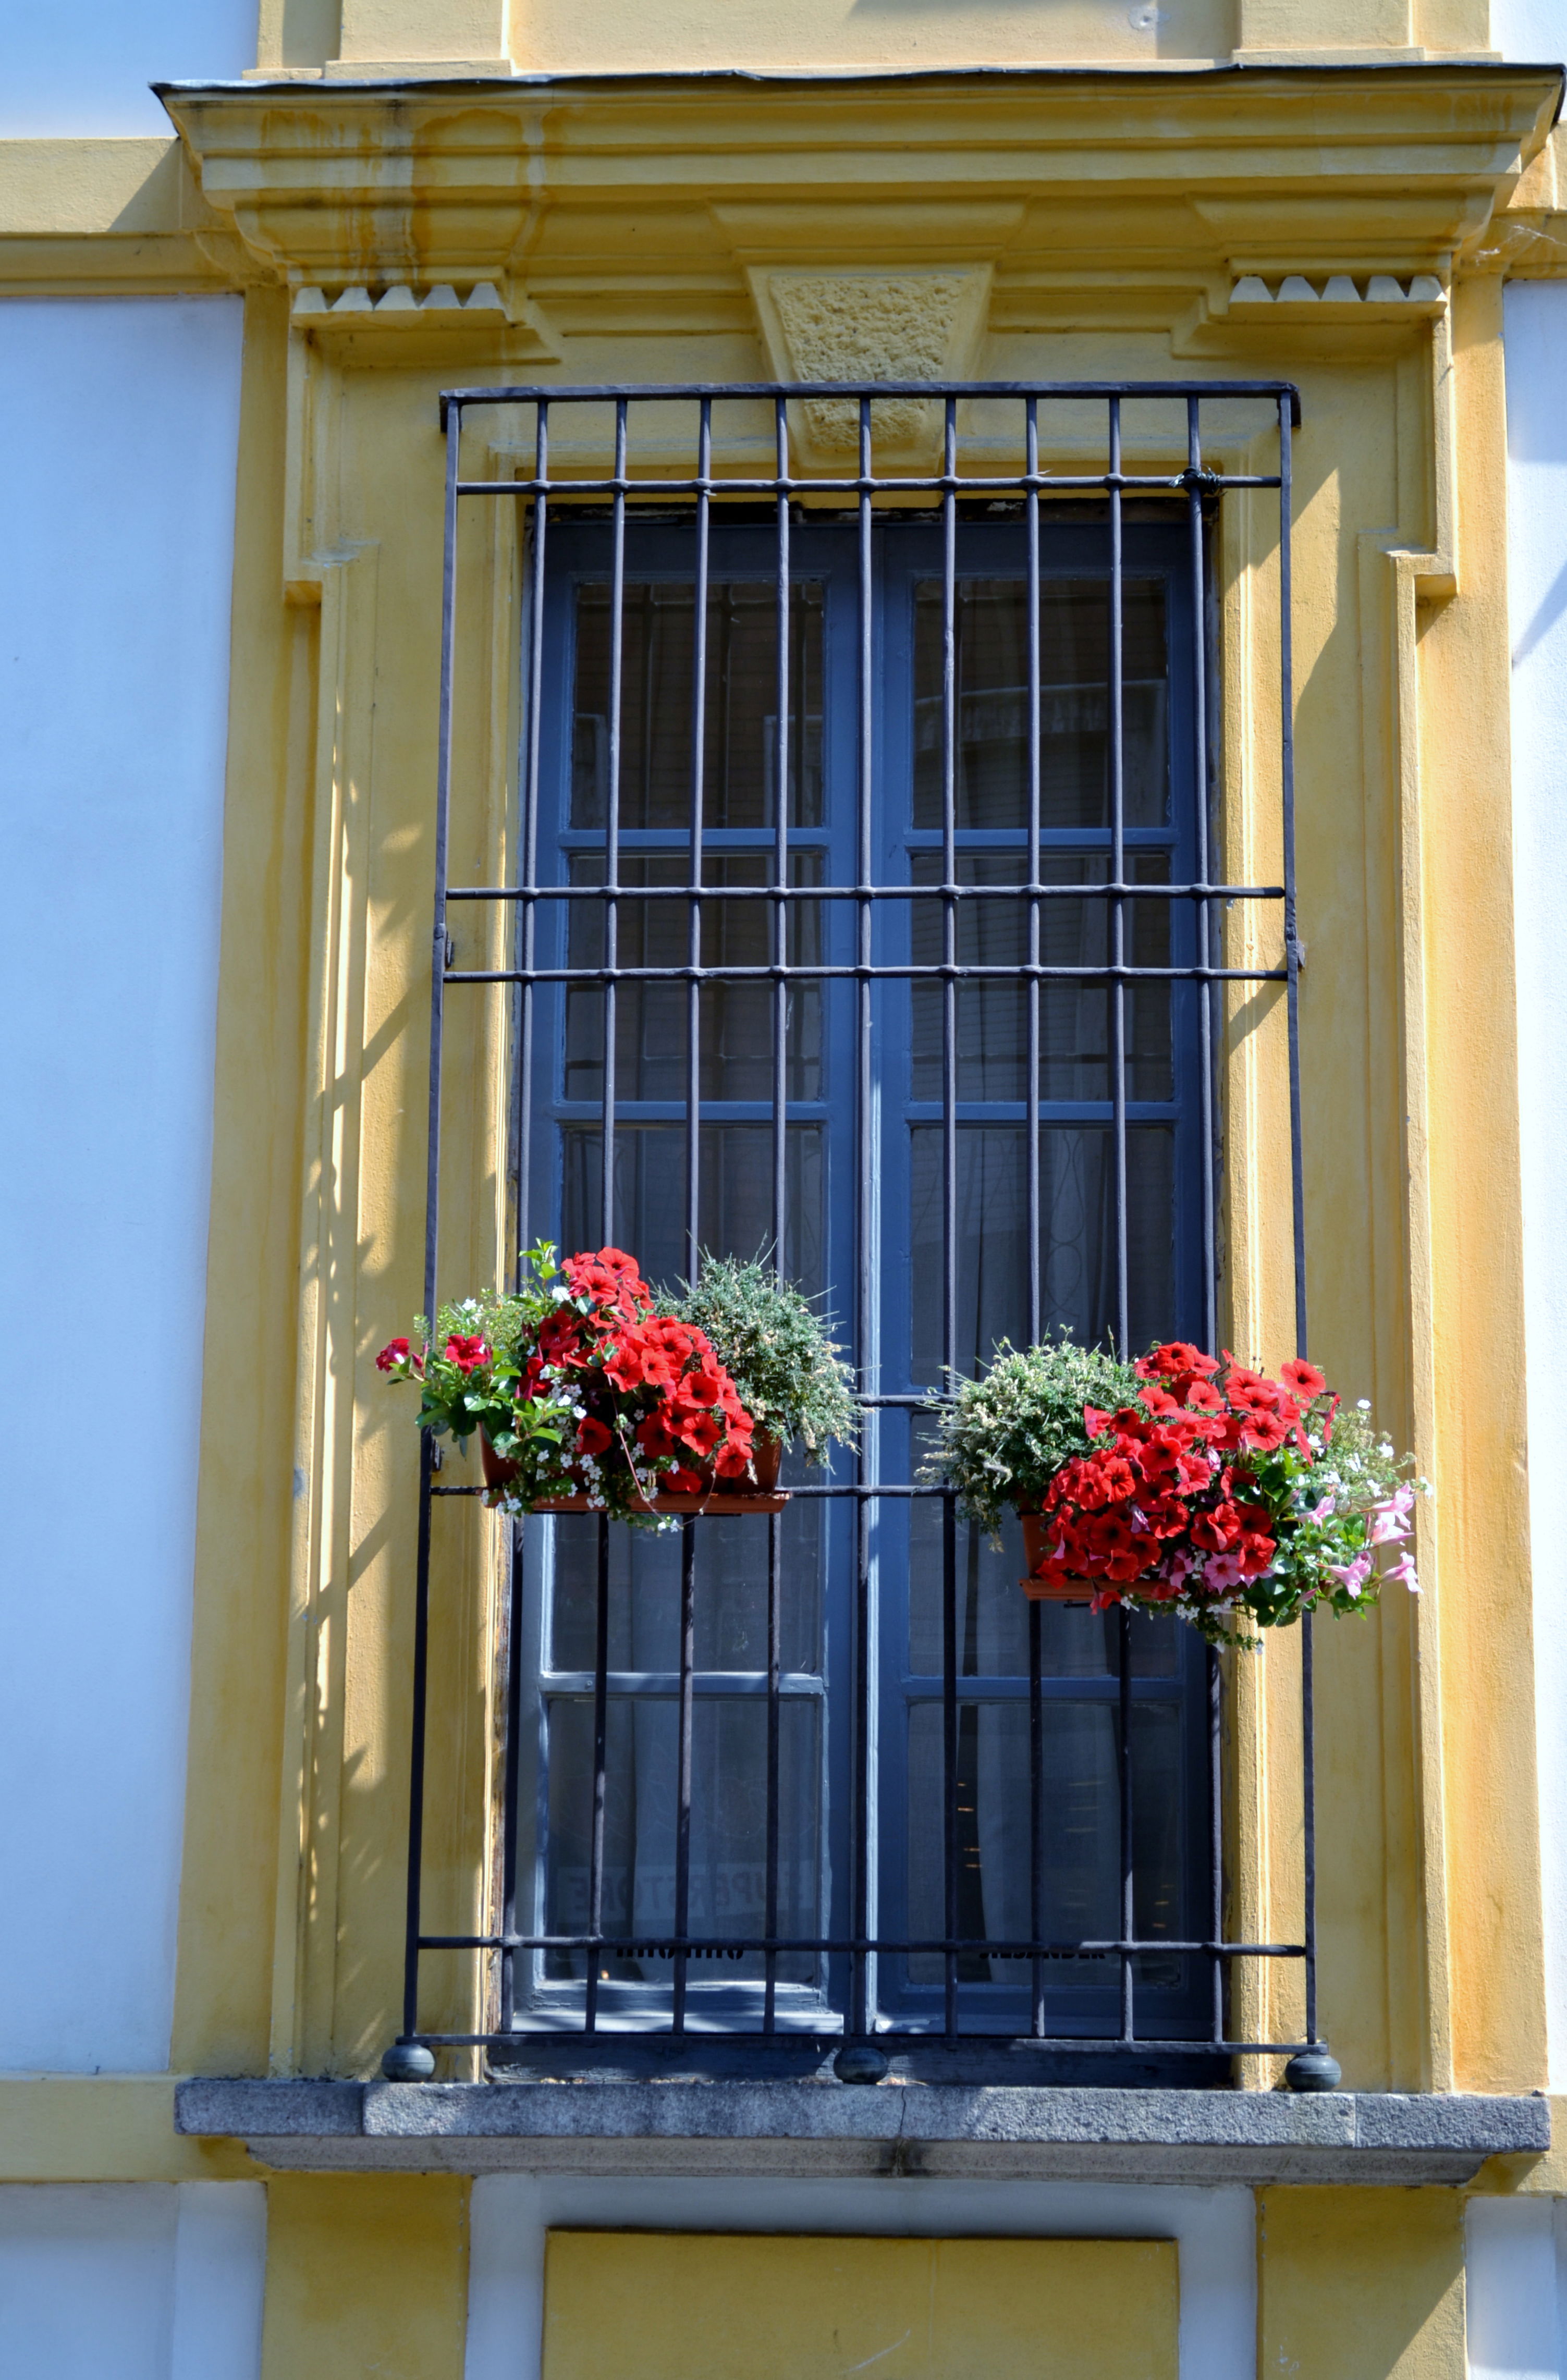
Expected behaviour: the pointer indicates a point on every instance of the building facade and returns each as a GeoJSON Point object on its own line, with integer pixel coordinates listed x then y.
{"type": "Point", "coordinates": [440, 1946]}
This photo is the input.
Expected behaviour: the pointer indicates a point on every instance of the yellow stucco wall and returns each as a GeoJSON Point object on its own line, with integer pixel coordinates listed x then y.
{"type": "Point", "coordinates": [671, 2306]}
{"type": "Point", "coordinates": [1360, 2283]}
{"type": "Point", "coordinates": [366, 2278]}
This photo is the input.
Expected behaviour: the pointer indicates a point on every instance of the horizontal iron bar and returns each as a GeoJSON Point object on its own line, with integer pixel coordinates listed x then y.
{"type": "Point", "coordinates": [696, 1945]}
{"type": "Point", "coordinates": [1022, 972]}
{"type": "Point", "coordinates": [567, 1685]}
{"type": "Point", "coordinates": [1051, 392]}
{"type": "Point", "coordinates": [706, 892]}
{"type": "Point", "coordinates": [919, 1685]}
{"type": "Point", "coordinates": [867, 1492]}
{"type": "Point", "coordinates": [1087, 2044]}
{"type": "Point", "coordinates": [1012, 483]}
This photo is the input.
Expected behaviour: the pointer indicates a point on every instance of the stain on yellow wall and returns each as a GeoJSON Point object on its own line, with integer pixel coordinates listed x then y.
{"type": "Point", "coordinates": [1360, 2283]}
{"type": "Point", "coordinates": [682, 2306]}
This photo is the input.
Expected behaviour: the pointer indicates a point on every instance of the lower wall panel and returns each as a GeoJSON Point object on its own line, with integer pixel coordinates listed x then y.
{"type": "Point", "coordinates": [1361, 2284]}
{"type": "Point", "coordinates": [138, 2281]}
{"type": "Point", "coordinates": [366, 2278]}
{"type": "Point", "coordinates": [699, 2306]}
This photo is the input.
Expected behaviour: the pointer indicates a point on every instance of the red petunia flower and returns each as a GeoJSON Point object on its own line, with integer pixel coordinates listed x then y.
{"type": "Point", "coordinates": [1175, 1357]}
{"type": "Point", "coordinates": [467, 1352]}
{"type": "Point", "coordinates": [1303, 1379]}
{"type": "Point", "coordinates": [592, 1438]}
{"type": "Point", "coordinates": [395, 1352]}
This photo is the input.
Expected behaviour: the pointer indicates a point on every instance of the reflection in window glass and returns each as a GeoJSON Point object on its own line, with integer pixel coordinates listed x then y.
{"type": "Point", "coordinates": [991, 730]}
{"type": "Point", "coordinates": [734, 1194]}
{"type": "Point", "coordinates": [728, 1869]}
{"type": "Point", "coordinates": [1076, 1250]}
{"type": "Point", "coordinates": [992, 1617]}
{"type": "Point", "coordinates": [735, 1020]}
{"type": "Point", "coordinates": [992, 1016]}
{"type": "Point", "coordinates": [1080, 1818]}
{"type": "Point", "coordinates": [731, 1592]}
{"type": "Point", "coordinates": [657, 673]}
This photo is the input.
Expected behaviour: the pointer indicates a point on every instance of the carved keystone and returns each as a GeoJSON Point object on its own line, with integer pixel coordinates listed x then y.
{"type": "Point", "coordinates": [923, 324]}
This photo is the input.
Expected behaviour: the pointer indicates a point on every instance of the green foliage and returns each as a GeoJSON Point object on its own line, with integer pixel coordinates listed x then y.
{"type": "Point", "coordinates": [776, 1348]}
{"type": "Point", "coordinates": [1002, 1439]}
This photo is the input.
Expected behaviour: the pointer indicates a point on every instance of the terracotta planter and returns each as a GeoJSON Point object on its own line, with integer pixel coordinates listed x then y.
{"type": "Point", "coordinates": [733, 1497]}
{"type": "Point", "coordinates": [1036, 1549]}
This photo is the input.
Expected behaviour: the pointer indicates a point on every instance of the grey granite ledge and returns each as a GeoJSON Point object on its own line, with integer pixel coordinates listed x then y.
{"type": "Point", "coordinates": [812, 2127]}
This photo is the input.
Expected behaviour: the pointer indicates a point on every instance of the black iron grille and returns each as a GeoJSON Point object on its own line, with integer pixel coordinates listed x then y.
{"type": "Point", "coordinates": [715, 962]}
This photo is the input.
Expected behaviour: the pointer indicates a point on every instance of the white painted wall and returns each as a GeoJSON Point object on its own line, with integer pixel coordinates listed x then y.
{"type": "Point", "coordinates": [1536, 334]}
{"type": "Point", "coordinates": [132, 2280]}
{"type": "Point", "coordinates": [1215, 2231]}
{"type": "Point", "coordinates": [82, 66]}
{"type": "Point", "coordinates": [1511, 2311]}
{"type": "Point", "coordinates": [119, 428]}
{"type": "Point", "coordinates": [1530, 33]}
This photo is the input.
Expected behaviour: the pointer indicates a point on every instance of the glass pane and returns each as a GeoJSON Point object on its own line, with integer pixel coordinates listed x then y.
{"type": "Point", "coordinates": [992, 1613]}
{"type": "Point", "coordinates": [992, 1018]}
{"type": "Point", "coordinates": [657, 678]}
{"type": "Point", "coordinates": [733, 1195]}
{"type": "Point", "coordinates": [735, 1020]}
{"type": "Point", "coordinates": [728, 1875]}
{"type": "Point", "coordinates": [1080, 1820]}
{"type": "Point", "coordinates": [731, 1592]}
{"type": "Point", "coordinates": [1076, 1250]}
{"type": "Point", "coordinates": [991, 729]}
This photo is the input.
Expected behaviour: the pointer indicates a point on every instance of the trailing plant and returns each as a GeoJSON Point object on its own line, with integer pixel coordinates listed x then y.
{"type": "Point", "coordinates": [777, 1349]}
{"type": "Point", "coordinates": [580, 1387]}
{"type": "Point", "coordinates": [1209, 1490]}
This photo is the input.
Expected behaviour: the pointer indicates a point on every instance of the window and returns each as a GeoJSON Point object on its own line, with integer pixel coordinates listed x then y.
{"type": "Point", "coordinates": [867, 915]}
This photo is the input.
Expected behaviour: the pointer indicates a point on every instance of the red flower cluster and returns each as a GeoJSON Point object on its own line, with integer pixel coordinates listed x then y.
{"type": "Point", "coordinates": [1163, 1501]}
{"type": "Point", "coordinates": [645, 1380]}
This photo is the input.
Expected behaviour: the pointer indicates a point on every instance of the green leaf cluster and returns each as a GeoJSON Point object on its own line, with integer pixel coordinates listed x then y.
{"type": "Point", "coordinates": [1002, 1439]}
{"type": "Point", "coordinates": [777, 1349]}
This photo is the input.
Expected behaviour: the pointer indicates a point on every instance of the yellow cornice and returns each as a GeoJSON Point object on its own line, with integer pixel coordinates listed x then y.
{"type": "Point", "coordinates": [641, 201]}
{"type": "Point", "coordinates": [124, 216]}
{"type": "Point", "coordinates": [589, 185]}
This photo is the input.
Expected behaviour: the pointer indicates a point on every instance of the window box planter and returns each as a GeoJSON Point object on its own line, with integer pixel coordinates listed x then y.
{"type": "Point", "coordinates": [732, 1498]}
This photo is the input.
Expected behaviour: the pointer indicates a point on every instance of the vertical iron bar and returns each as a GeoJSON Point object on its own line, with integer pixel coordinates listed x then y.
{"type": "Point", "coordinates": [1036, 1218]}
{"type": "Point", "coordinates": [431, 1227]}
{"type": "Point", "coordinates": [1210, 1156]}
{"type": "Point", "coordinates": [1297, 1165]}
{"type": "Point", "coordinates": [600, 1751]}
{"type": "Point", "coordinates": [694, 907]}
{"type": "Point", "coordinates": [867, 1458]}
{"type": "Point", "coordinates": [1308, 1785]}
{"type": "Point", "coordinates": [528, 924]}
{"type": "Point", "coordinates": [1204, 907]}
{"type": "Point", "coordinates": [1216, 1830]}
{"type": "Point", "coordinates": [1128, 1878]}
{"type": "Point", "coordinates": [1036, 1296]}
{"type": "Point", "coordinates": [949, 1177]}
{"type": "Point", "coordinates": [512, 1760]}
{"type": "Point", "coordinates": [780, 1127]}
{"type": "Point", "coordinates": [1036, 1816]}
{"type": "Point", "coordinates": [774, 1675]}
{"type": "Point", "coordinates": [611, 823]}
{"type": "Point", "coordinates": [1118, 905]}
{"type": "Point", "coordinates": [1292, 936]}
{"type": "Point", "coordinates": [781, 844]}
{"type": "Point", "coordinates": [1118, 1095]}
{"type": "Point", "coordinates": [682, 1787]}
